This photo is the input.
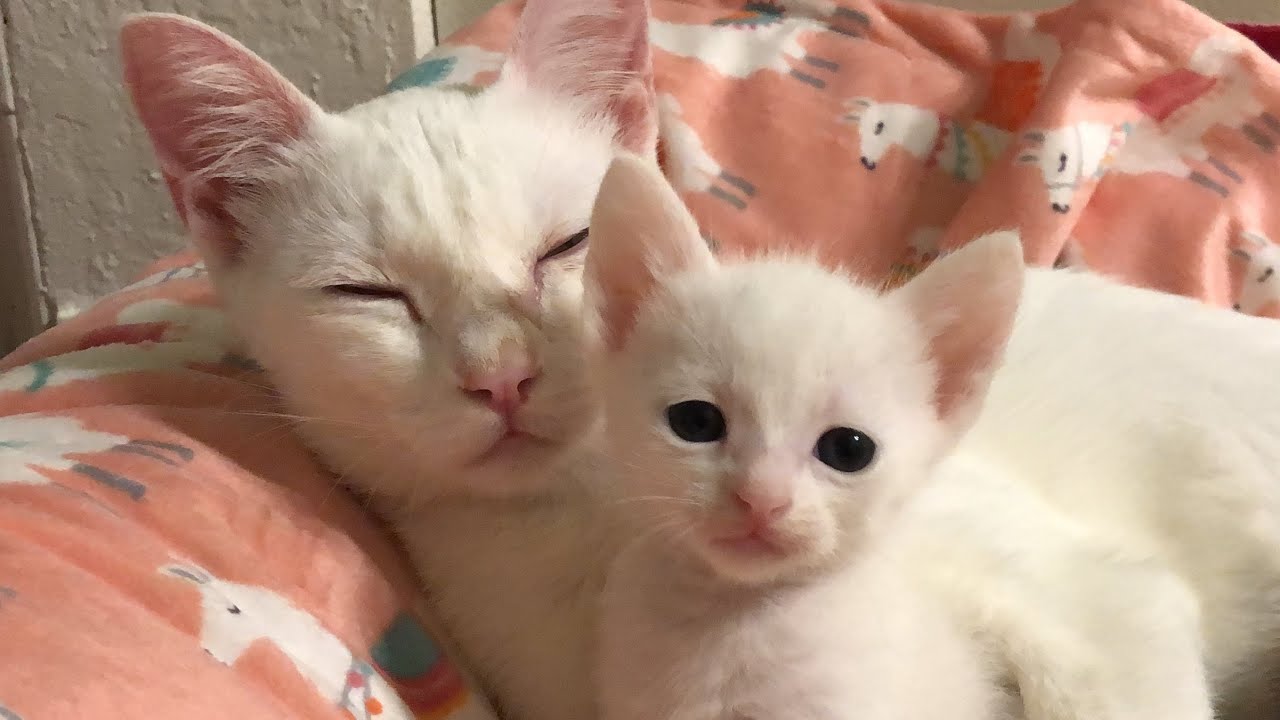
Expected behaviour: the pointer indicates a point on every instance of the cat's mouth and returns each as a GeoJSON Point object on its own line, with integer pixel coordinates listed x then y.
{"type": "Point", "coordinates": [511, 443]}
{"type": "Point", "coordinates": [756, 542]}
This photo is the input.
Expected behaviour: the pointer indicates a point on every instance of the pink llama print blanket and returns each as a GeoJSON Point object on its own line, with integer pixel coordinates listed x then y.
{"type": "Point", "coordinates": [169, 550]}
{"type": "Point", "coordinates": [1136, 138]}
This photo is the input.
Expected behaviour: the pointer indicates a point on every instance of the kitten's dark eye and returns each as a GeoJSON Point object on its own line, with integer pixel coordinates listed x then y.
{"type": "Point", "coordinates": [696, 421]}
{"type": "Point", "coordinates": [845, 449]}
{"type": "Point", "coordinates": [573, 242]}
{"type": "Point", "coordinates": [1062, 162]}
{"type": "Point", "coordinates": [879, 127]}
{"type": "Point", "coordinates": [373, 292]}
{"type": "Point", "coordinates": [233, 609]}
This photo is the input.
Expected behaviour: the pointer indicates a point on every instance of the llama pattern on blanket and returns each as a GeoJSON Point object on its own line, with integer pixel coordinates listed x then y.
{"type": "Point", "coordinates": [688, 165]}
{"type": "Point", "coordinates": [1259, 260]}
{"type": "Point", "coordinates": [235, 616]}
{"type": "Point", "coordinates": [1178, 110]}
{"type": "Point", "coordinates": [752, 41]}
{"type": "Point", "coordinates": [453, 65]}
{"type": "Point", "coordinates": [962, 149]}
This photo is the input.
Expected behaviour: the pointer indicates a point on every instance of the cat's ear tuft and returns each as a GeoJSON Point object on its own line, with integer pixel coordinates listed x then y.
{"type": "Point", "coordinates": [966, 302]}
{"type": "Point", "coordinates": [641, 233]}
{"type": "Point", "coordinates": [596, 51]}
{"type": "Point", "coordinates": [217, 114]}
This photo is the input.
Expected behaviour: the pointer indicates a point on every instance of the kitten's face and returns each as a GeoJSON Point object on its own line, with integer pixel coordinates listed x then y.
{"type": "Point", "coordinates": [408, 271]}
{"type": "Point", "coordinates": [769, 415]}
{"type": "Point", "coordinates": [415, 246]}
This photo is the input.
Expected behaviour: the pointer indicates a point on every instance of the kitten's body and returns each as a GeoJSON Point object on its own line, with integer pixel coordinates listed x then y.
{"type": "Point", "coordinates": [762, 454]}
{"type": "Point", "coordinates": [862, 642]}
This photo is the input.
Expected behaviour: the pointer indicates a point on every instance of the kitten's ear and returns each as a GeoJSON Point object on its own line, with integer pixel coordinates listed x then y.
{"type": "Point", "coordinates": [218, 116]}
{"type": "Point", "coordinates": [640, 233]}
{"type": "Point", "coordinates": [966, 301]}
{"type": "Point", "coordinates": [596, 51]}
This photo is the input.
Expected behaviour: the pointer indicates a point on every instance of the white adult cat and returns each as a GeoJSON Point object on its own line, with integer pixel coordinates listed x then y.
{"type": "Point", "coordinates": [766, 421]}
{"type": "Point", "coordinates": [1152, 420]}
{"type": "Point", "coordinates": [409, 272]}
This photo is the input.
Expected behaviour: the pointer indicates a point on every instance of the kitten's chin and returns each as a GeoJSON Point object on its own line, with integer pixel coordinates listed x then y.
{"type": "Point", "coordinates": [755, 560]}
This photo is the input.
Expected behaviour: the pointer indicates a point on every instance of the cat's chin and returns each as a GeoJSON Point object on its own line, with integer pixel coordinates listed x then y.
{"type": "Point", "coordinates": [754, 560]}
{"type": "Point", "coordinates": [516, 465]}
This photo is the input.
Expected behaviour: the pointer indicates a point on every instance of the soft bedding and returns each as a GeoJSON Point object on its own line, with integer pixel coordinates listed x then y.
{"type": "Point", "coordinates": [168, 549]}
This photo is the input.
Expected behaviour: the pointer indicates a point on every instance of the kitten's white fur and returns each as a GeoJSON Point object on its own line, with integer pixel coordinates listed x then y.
{"type": "Point", "coordinates": [830, 626]}
{"type": "Point", "coordinates": [448, 198]}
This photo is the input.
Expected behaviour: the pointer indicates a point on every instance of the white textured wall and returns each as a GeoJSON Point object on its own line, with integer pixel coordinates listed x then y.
{"type": "Point", "coordinates": [100, 211]}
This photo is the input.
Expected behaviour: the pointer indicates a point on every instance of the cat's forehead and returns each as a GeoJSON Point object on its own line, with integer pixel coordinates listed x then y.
{"type": "Point", "coordinates": [445, 178]}
{"type": "Point", "coordinates": [790, 327]}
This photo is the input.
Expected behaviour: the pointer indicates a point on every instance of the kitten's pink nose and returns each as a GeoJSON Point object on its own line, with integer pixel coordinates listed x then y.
{"type": "Point", "coordinates": [507, 386]}
{"type": "Point", "coordinates": [763, 507]}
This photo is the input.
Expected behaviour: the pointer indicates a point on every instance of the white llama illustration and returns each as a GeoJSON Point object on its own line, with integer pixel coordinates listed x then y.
{"type": "Point", "coordinates": [31, 442]}
{"type": "Point", "coordinates": [1261, 287]}
{"type": "Point", "coordinates": [235, 616]}
{"type": "Point", "coordinates": [962, 150]}
{"type": "Point", "coordinates": [741, 49]}
{"type": "Point", "coordinates": [1179, 109]}
{"type": "Point", "coordinates": [688, 165]}
{"type": "Point", "coordinates": [1070, 156]}
{"type": "Point", "coordinates": [965, 150]}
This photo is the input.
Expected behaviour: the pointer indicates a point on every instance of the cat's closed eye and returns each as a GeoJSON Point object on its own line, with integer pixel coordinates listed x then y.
{"type": "Point", "coordinates": [845, 450]}
{"type": "Point", "coordinates": [375, 293]}
{"type": "Point", "coordinates": [696, 421]}
{"type": "Point", "coordinates": [573, 242]}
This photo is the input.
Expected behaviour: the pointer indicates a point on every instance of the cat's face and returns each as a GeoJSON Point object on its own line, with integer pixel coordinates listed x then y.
{"type": "Point", "coordinates": [408, 271]}
{"type": "Point", "coordinates": [776, 409]}
{"type": "Point", "coordinates": [768, 416]}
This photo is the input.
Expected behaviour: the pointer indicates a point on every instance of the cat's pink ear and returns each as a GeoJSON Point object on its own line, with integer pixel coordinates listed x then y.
{"type": "Point", "coordinates": [640, 234]}
{"type": "Point", "coordinates": [596, 51]}
{"type": "Point", "coordinates": [966, 302]}
{"type": "Point", "coordinates": [218, 116]}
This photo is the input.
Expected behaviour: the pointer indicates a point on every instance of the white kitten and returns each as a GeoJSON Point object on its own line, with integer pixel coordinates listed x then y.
{"type": "Point", "coordinates": [766, 421]}
{"type": "Point", "coordinates": [1153, 421]}
{"type": "Point", "coordinates": [409, 273]}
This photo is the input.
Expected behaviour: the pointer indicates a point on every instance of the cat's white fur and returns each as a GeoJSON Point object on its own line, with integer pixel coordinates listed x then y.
{"type": "Point", "coordinates": [1152, 421]}
{"type": "Point", "coordinates": [1087, 627]}
{"type": "Point", "coordinates": [824, 622]}
{"type": "Point", "coordinates": [441, 203]}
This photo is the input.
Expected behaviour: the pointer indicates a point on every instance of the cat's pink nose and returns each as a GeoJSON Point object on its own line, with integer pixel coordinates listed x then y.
{"type": "Point", "coordinates": [762, 506]}
{"type": "Point", "coordinates": [506, 387]}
